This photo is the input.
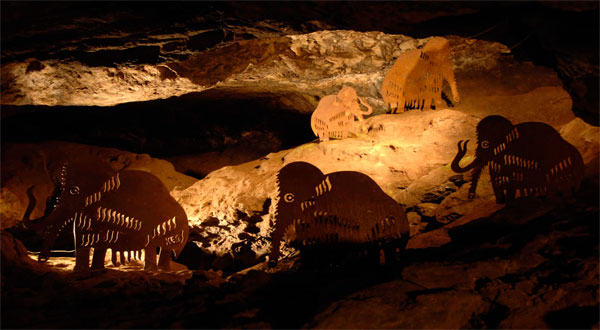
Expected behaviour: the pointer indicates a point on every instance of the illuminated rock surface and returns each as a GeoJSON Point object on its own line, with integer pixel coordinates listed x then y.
{"type": "Point", "coordinates": [226, 98]}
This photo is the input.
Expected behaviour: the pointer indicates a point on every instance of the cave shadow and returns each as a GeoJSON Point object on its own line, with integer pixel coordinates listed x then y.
{"type": "Point", "coordinates": [508, 230]}
{"type": "Point", "coordinates": [286, 299]}
{"type": "Point", "coordinates": [190, 124]}
{"type": "Point", "coordinates": [573, 317]}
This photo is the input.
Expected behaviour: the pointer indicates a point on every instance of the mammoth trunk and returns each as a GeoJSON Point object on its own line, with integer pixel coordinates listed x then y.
{"type": "Point", "coordinates": [277, 235]}
{"type": "Point", "coordinates": [50, 227]}
{"type": "Point", "coordinates": [462, 150]}
{"type": "Point", "coordinates": [275, 244]}
{"type": "Point", "coordinates": [285, 216]}
{"type": "Point", "coordinates": [476, 165]}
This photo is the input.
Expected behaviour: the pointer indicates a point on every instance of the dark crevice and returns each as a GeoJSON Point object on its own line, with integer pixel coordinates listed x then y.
{"type": "Point", "coordinates": [552, 34]}
{"type": "Point", "coordinates": [573, 317]}
{"type": "Point", "coordinates": [491, 320]}
{"type": "Point", "coordinates": [505, 233]}
{"type": "Point", "coordinates": [190, 124]}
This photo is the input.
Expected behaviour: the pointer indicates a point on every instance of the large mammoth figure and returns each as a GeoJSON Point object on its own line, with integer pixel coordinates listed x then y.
{"type": "Point", "coordinates": [128, 211]}
{"type": "Point", "coordinates": [348, 208]}
{"type": "Point", "coordinates": [334, 116]}
{"type": "Point", "coordinates": [526, 159]}
{"type": "Point", "coordinates": [415, 81]}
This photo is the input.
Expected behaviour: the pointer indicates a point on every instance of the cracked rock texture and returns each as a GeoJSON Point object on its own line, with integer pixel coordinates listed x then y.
{"type": "Point", "coordinates": [406, 154]}
{"type": "Point", "coordinates": [297, 69]}
{"type": "Point", "coordinates": [226, 96]}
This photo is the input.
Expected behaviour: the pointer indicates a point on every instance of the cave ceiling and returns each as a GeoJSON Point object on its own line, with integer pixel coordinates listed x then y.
{"type": "Point", "coordinates": [199, 63]}
{"type": "Point", "coordinates": [108, 53]}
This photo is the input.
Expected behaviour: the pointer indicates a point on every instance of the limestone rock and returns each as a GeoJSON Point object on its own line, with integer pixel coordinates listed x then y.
{"type": "Point", "coordinates": [398, 305]}
{"type": "Point", "coordinates": [499, 278]}
{"type": "Point", "coordinates": [427, 209]}
{"type": "Point", "coordinates": [586, 139]}
{"type": "Point", "coordinates": [12, 209]}
{"type": "Point", "coordinates": [431, 188]}
{"type": "Point", "coordinates": [414, 223]}
{"type": "Point", "coordinates": [14, 254]}
{"type": "Point", "coordinates": [458, 203]}
{"type": "Point", "coordinates": [74, 83]}
{"type": "Point", "coordinates": [397, 150]}
{"type": "Point", "coordinates": [296, 70]}
{"type": "Point", "coordinates": [406, 154]}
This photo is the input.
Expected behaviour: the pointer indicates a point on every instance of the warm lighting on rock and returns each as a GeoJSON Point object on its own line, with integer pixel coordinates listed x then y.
{"type": "Point", "coordinates": [236, 165]}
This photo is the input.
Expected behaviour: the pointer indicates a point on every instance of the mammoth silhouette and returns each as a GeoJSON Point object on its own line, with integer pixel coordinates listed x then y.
{"type": "Point", "coordinates": [415, 81]}
{"type": "Point", "coordinates": [127, 211]}
{"type": "Point", "coordinates": [334, 116]}
{"type": "Point", "coordinates": [339, 208]}
{"type": "Point", "coordinates": [527, 159]}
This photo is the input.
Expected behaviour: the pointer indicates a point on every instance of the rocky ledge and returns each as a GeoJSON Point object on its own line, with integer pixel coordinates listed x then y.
{"type": "Point", "coordinates": [469, 263]}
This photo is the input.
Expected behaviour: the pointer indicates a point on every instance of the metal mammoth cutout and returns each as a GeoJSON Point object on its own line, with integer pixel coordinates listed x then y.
{"type": "Point", "coordinates": [415, 81]}
{"type": "Point", "coordinates": [527, 159]}
{"type": "Point", "coordinates": [334, 116]}
{"type": "Point", "coordinates": [336, 208]}
{"type": "Point", "coordinates": [128, 211]}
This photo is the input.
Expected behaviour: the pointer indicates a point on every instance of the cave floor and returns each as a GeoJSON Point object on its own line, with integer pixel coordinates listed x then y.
{"type": "Point", "coordinates": [518, 268]}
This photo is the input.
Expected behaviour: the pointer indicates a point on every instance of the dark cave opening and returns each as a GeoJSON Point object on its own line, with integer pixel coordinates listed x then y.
{"type": "Point", "coordinates": [245, 126]}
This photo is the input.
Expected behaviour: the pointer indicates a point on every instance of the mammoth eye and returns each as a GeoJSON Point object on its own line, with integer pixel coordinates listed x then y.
{"type": "Point", "coordinates": [74, 190]}
{"type": "Point", "coordinates": [485, 144]}
{"type": "Point", "coordinates": [289, 197]}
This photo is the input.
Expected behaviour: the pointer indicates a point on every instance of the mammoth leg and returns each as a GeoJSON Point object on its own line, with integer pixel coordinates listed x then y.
{"type": "Point", "coordinates": [150, 258]}
{"type": "Point", "coordinates": [510, 194]}
{"type": "Point", "coordinates": [123, 258]}
{"type": "Point", "coordinates": [82, 259]}
{"type": "Point", "coordinates": [389, 252]}
{"type": "Point", "coordinates": [398, 106]}
{"type": "Point", "coordinates": [115, 261]}
{"type": "Point", "coordinates": [427, 105]}
{"type": "Point", "coordinates": [164, 260]}
{"type": "Point", "coordinates": [498, 192]}
{"type": "Point", "coordinates": [344, 132]}
{"type": "Point", "coordinates": [475, 174]}
{"type": "Point", "coordinates": [98, 258]}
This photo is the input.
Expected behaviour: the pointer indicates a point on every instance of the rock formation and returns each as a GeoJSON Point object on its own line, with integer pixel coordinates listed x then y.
{"type": "Point", "coordinates": [224, 91]}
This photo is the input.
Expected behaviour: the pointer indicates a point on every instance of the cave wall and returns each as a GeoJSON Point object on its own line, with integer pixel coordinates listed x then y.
{"type": "Point", "coordinates": [215, 97]}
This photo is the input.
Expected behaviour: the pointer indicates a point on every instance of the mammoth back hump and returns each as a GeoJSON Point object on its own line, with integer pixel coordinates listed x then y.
{"type": "Point", "coordinates": [396, 78]}
{"type": "Point", "coordinates": [403, 65]}
{"type": "Point", "coordinates": [543, 142]}
{"type": "Point", "coordinates": [437, 48]}
{"type": "Point", "coordinates": [144, 196]}
{"type": "Point", "coordinates": [327, 107]}
{"type": "Point", "coordinates": [355, 194]}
